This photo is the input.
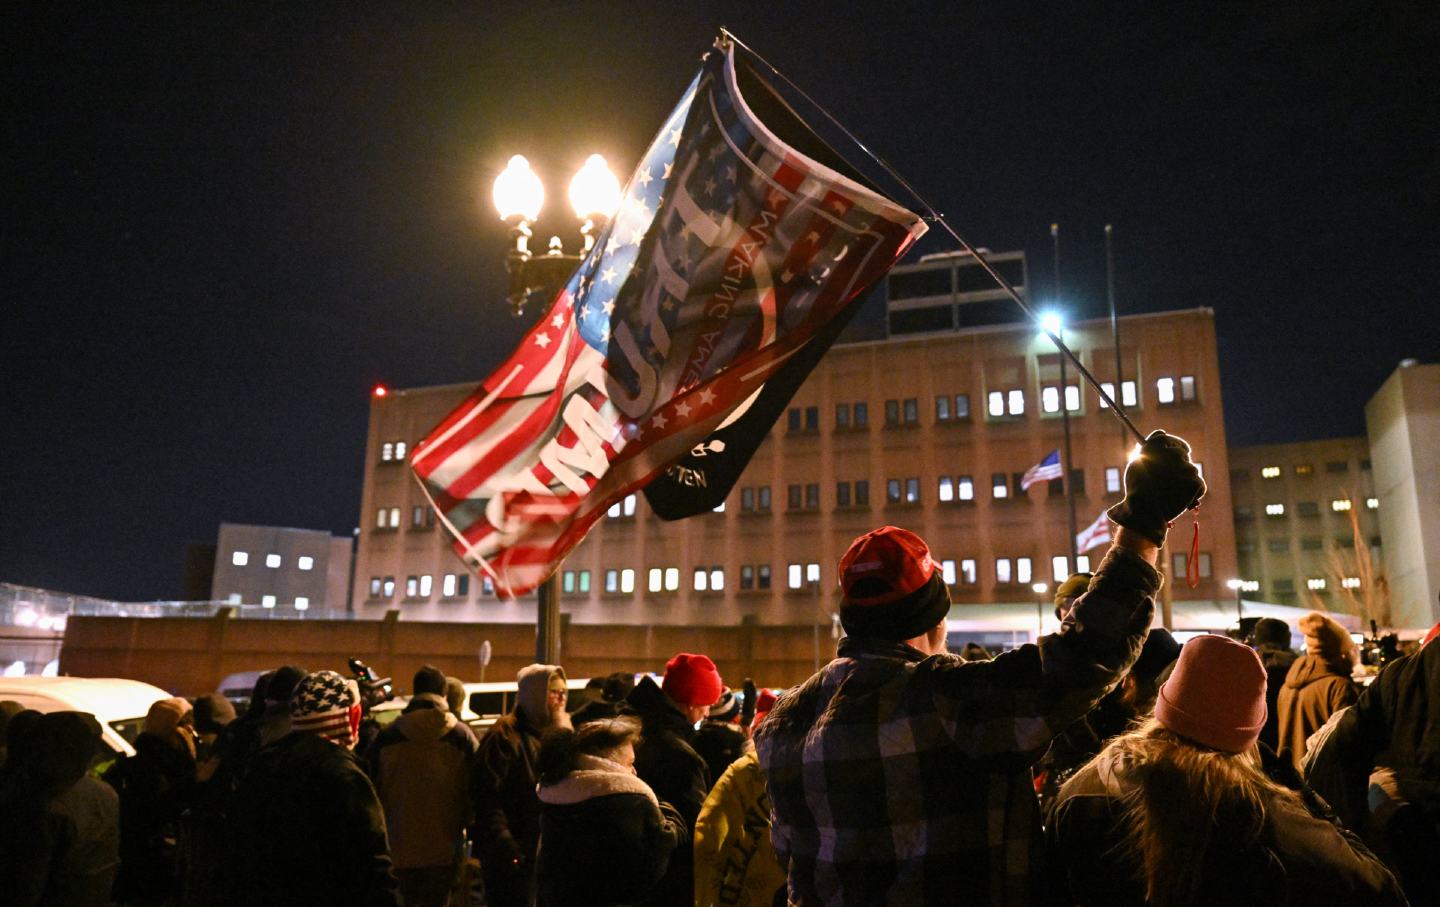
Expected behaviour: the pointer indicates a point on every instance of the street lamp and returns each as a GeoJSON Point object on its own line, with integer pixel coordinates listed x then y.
{"type": "Point", "coordinates": [1241, 586]}
{"type": "Point", "coordinates": [519, 195]}
{"type": "Point", "coordinates": [1040, 590]}
{"type": "Point", "coordinates": [1053, 323]}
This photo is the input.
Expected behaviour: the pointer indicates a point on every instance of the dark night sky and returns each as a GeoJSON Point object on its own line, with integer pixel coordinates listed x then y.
{"type": "Point", "coordinates": [224, 223]}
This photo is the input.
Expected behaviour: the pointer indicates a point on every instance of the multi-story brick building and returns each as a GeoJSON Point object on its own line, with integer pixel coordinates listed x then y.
{"type": "Point", "coordinates": [930, 428]}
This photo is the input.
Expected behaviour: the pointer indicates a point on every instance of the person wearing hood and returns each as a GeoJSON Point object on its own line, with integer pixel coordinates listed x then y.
{"type": "Point", "coordinates": [666, 758]}
{"type": "Point", "coordinates": [1183, 811]}
{"type": "Point", "coordinates": [719, 739]}
{"type": "Point", "coordinates": [307, 826]}
{"type": "Point", "coordinates": [156, 786]}
{"type": "Point", "coordinates": [1317, 685]}
{"type": "Point", "coordinates": [1270, 638]}
{"type": "Point", "coordinates": [213, 713]}
{"type": "Point", "coordinates": [507, 810]}
{"type": "Point", "coordinates": [605, 838]}
{"type": "Point", "coordinates": [420, 765]}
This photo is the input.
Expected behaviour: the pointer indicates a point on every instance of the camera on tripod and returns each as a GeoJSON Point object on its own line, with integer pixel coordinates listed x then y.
{"type": "Point", "coordinates": [374, 689]}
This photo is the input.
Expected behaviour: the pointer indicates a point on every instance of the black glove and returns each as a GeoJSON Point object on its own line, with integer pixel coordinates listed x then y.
{"type": "Point", "coordinates": [1160, 484]}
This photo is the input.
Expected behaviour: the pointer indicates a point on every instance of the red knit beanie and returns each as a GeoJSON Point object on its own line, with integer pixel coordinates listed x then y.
{"type": "Point", "coordinates": [1216, 694]}
{"type": "Point", "coordinates": [692, 680]}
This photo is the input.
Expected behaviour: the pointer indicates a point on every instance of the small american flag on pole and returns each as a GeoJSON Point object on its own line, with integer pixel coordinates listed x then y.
{"type": "Point", "coordinates": [1044, 471]}
{"type": "Point", "coordinates": [1097, 533]}
{"type": "Point", "coordinates": [730, 252]}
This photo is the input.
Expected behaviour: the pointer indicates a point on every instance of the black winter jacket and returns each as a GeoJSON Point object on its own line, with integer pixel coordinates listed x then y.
{"type": "Point", "coordinates": [308, 829]}
{"type": "Point", "coordinates": [666, 760]}
{"type": "Point", "coordinates": [156, 786]}
{"type": "Point", "coordinates": [604, 838]}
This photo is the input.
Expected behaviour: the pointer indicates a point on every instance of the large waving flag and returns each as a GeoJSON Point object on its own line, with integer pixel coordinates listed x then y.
{"type": "Point", "coordinates": [1097, 533]}
{"type": "Point", "coordinates": [1046, 470]}
{"type": "Point", "coordinates": [732, 250]}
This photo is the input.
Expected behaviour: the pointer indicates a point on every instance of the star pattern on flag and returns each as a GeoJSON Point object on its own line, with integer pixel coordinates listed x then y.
{"type": "Point", "coordinates": [644, 176]}
{"type": "Point", "coordinates": [658, 420]}
{"type": "Point", "coordinates": [557, 321]}
{"type": "Point", "coordinates": [608, 275]}
{"type": "Point", "coordinates": [707, 396]}
{"type": "Point", "coordinates": [682, 409]}
{"type": "Point", "coordinates": [542, 340]}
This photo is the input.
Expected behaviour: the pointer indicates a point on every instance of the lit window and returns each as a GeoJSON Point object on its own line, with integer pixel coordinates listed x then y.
{"type": "Point", "coordinates": [1187, 387]}
{"type": "Point", "coordinates": [947, 572]}
{"type": "Point", "coordinates": [1112, 480]}
{"type": "Point", "coordinates": [240, 558]}
{"type": "Point", "coordinates": [1022, 570]}
{"type": "Point", "coordinates": [487, 586]}
{"type": "Point", "coordinates": [795, 576]}
{"type": "Point", "coordinates": [1002, 570]}
{"type": "Point", "coordinates": [892, 491]}
{"type": "Point", "coordinates": [996, 400]}
{"type": "Point", "coordinates": [1351, 582]}
{"type": "Point", "coordinates": [672, 579]}
{"type": "Point", "coordinates": [717, 579]}
{"type": "Point", "coordinates": [381, 518]}
{"type": "Point", "coordinates": [301, 603]}
{"type": "Point", "coordinates": [912, 491]}
{"type": "Point", "coordinates": [1315, 584]}
{"type": "Point", "coordinates": [1340, 505]}
{"type": "Point", "coordinates": [1372, 503]}
{"type": "Point", "coordinates": [657, 579]}
{"type": "Point", "coordinates": [387, 452]}
{"type": "Point", "coordinates": [812, 573]}
{"type": "Point", "coordinates": [1050, 399]}
{"type": "Point", "coordinates": [447, 585]}
{"type": "Point", "coordinates": [305, 562]}
{"type": "Point", "coordinates": [1304, 469]}
{"type": "Point", "coordinates": [1165, 390]}
{"type": "Point", "coordinates": [627, 580]}
{"type": "Point", "coordinates": [1128, 396]}
{"type": "Point", "coordinates": [719, 508]}
{"type": "Point", "coordinates": [1060, 568]}
{"type": "Point", "coordinates": [1274, 509]}
{"type": "Point", "coordinates": [1072, 398]}
{"type": "Point", "coordinates": [1270, 472]}
{"type": "Point", "coordinates": [412, 586]}
{"type": "Point", "coordinates": [567, 581]}
{"type": "Point", "coordinates": [394, 517]}
{"type": "Point", "coordinates": [614, 511]}
{"type": "Point", "coordinates": [967, 571]}
{"type": "Point", "coordinates": [272, 561]}
{"type": "Point", "coordinates": [1082, 563]}
{"type": "Point", "coordinates": [612, 581]}
{"type": "Point", "coordinates": [267, 601]}
{"type": "Point", "coordinates": [999, 487]}
{"type": "Point", "coordinates": [1109, 388]}
{"type": "Point", "coordinates": [233, 598]}
{"type": "Point", "coordinates": [947, 489]}
{"type": "Point", "coordinates": [425, 585]}
{"type": "Point", "coordinates": [629, 505]}
{"type": "Point", "coordinates": [702, 579]}
{"type": "Point", "coordinates": [584, 582]}
{"type": "Point", "coordinates": [962, 406]}
{"type": "Point", "coordinates": [965, 489]}
{"type": "Point", "coordinates": [389, 587]}
{"type": "Point", "coordinates": [399, 450]}
{"type": "Point", "coordinates": [1016, 400]}
{"type": "Point", "coordinates": [942, 408]}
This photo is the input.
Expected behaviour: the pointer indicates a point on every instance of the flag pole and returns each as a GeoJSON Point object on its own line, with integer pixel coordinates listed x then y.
{"type": "Point", "coordinates": [1065, 415]}
{"type": "Point", "coordinates": [937, 217]}
{"type": "Point", "coordinates": [1114, 322]}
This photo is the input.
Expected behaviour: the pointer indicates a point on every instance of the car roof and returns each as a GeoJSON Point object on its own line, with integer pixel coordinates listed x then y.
{"type": "Point", "coordinates": [107, 698]}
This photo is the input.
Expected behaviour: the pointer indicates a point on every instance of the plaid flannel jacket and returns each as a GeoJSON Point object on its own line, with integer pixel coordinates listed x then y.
{"type": "Point", "coordinates": [900, 779]}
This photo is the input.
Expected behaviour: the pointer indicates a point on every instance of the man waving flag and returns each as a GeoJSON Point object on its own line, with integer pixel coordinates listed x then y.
{"type": "Point", "coordinates": [731, 252]}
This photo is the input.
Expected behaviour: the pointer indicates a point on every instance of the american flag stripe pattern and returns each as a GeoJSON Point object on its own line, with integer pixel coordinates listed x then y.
{"type": "Point", "coordinates": [1044, 471]}
{"type": "Point", "coordinates": [730, 251]}
{"type": "Point", "coordinates": [1097, 533]}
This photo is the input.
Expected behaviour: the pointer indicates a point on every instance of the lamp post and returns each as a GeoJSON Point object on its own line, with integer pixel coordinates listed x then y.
{"type": "Point", "coordinates": [1241, 586]}
{"type": "Point", "coordinates": [1054, 322]}
{"type": "Point", "coordinates": [1040, 590]}
{"type": "Point", "coordinates": [519, 195]}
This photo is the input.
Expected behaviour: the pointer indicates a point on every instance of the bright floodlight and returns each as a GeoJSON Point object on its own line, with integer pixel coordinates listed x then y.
{"type": "Point", "coordinates": [594, 191]}
{"type": "Point", "coordinates": [518, 191]}
{"type": "Point", "coordinates": [1040, 588]}
{"type": "Point", "coordinates": [1052, 322]}
{"type": "Point", "coordinates": [1234, 583]}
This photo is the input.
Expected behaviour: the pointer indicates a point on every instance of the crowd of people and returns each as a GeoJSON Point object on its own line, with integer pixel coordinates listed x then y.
{"type": "Point", "coordinates": [1105, 765]}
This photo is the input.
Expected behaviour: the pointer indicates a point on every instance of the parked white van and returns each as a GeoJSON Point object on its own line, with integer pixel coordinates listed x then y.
{"type": "Point", "coordinates": [119, 705]}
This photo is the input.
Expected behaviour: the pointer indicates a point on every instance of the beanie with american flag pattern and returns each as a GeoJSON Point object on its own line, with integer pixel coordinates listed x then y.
{"type": "Point", "coordinates": [327, 705]}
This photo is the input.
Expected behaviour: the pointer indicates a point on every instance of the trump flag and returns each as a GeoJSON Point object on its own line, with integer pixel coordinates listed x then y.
{"type": "Point", "coordinates": [732, 250]}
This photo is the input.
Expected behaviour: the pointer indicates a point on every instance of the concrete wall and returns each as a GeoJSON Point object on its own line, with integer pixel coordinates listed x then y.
{"type": "Point", "coordinates": [189, 656]}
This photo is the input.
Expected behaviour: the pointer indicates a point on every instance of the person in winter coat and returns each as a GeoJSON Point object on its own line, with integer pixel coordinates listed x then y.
{"type": "Point", "coordinates": [60, 838]}
{"type": "Point", "coordinates": [605, 838]}
{"type": "Point", "coordinates": [900, 773]}
{"type": "Point", "coordinates": [1180, 812]}
{"type": "Point", "coordinates": [719, 739]}
{"type": "Point", "coordinates": [1317, 685]}
{"type": "Point", "coordinates": [1271, 641]}
{"type": "Point", "coordinates": [507, 811]}
{"type": "Point", "coordinates": [607, 697]}
{"type": "Point", "coordinates": [1380, 768]}
{"type": "Point", "coordinates": [420, 765]}
{"type": "Point", "coordinates": [213, 713]}
{"type": "Point", "coordinates": [307, 826]}
{"type": "Point", "coordinates": [666, 758]}
{"type": "Point", "coordinates": [734, 862]}
{"type": "Point", "coordinates": [156, 786]}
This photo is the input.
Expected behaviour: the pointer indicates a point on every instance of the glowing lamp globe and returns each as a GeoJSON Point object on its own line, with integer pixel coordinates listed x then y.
{"type": "Point", "coordinates": [1052, 322]}
{"type": "Point", "coordinates": [518, 191]}
{"type": "Point", "coordinates": [594, 190]}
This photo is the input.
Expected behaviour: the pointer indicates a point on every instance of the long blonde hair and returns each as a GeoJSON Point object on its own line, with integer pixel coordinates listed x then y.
{"type": "Point", "coordinates": [1191, 815]}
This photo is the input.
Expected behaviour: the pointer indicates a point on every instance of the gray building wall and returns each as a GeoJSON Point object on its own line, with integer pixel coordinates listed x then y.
{"type": "Point", "coordinates": [1403, 421]}
{"type": "Point", "coordinates": [323, 585]}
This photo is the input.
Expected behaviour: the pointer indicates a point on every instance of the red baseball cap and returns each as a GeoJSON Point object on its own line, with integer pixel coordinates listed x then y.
{"type": "Point", "coordinates": [890, 562]}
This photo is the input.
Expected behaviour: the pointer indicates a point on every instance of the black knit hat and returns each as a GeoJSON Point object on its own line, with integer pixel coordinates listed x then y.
{"type": "Point", "coordinates": [428, 679]}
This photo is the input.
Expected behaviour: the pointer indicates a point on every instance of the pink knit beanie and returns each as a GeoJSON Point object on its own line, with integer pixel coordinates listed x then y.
{"type": "Point", "coordinates": [1216, 694]}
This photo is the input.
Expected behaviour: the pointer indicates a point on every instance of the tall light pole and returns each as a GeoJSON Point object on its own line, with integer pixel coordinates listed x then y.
{"type": "Point", "coordinates": [1040, 590]}
{"type": "Point", "coordinates": [519, 195]}
{"type": "Point", "coordinates": [1055, 324]}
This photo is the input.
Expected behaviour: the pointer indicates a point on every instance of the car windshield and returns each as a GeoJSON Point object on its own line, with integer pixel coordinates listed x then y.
{"type": "Point", "coordinates": [129, 728]}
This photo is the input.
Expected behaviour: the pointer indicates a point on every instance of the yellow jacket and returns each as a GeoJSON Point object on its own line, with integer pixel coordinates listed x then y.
{"type": "Point", "coordinates": [734, 863]}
